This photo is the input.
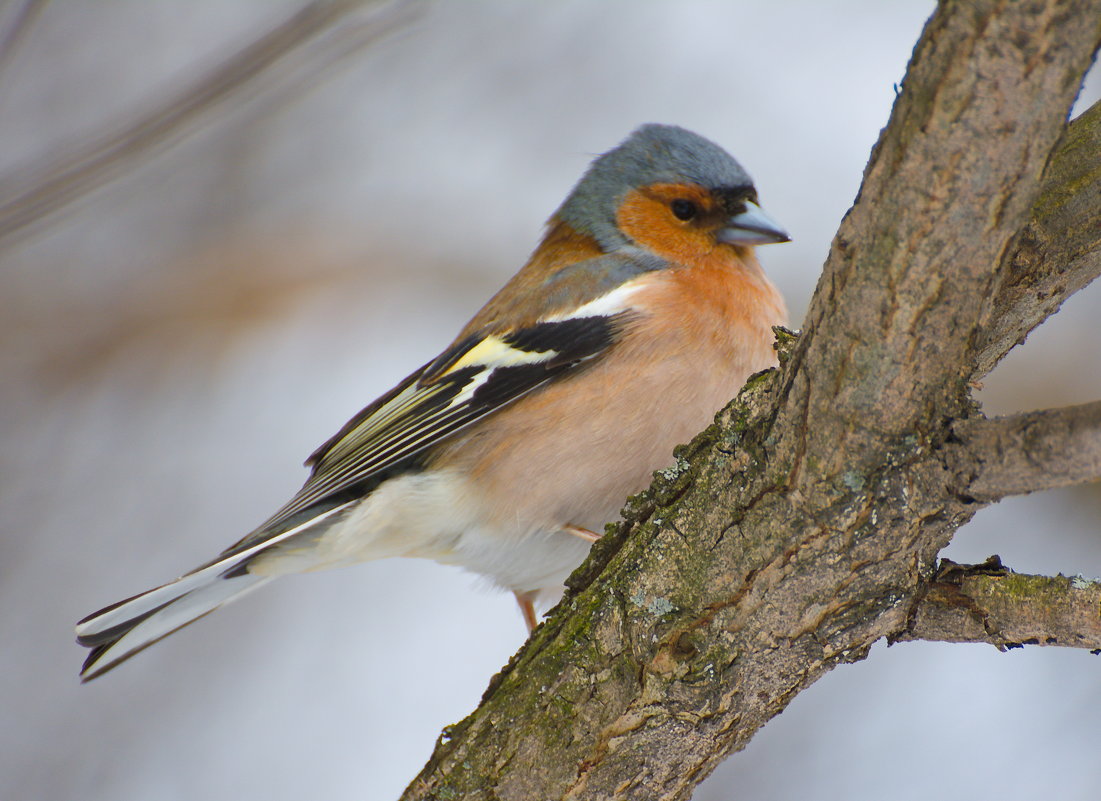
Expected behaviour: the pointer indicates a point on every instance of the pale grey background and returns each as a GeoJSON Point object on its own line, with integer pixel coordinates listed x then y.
{"type": "Point", "coordinates": [171, 349]}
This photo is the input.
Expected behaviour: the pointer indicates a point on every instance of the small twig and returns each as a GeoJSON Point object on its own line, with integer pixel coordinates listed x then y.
{"type": "Point", "coordinates": [989, 603]}
{"type": "Point", "coordinates": [1028, 452]}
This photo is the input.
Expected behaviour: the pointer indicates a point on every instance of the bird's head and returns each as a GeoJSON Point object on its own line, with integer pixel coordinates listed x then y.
{"type": "Point", "coordinates": [669, 191]}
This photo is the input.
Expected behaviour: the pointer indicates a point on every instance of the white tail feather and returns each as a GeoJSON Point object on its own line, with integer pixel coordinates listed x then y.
{"type": "Point", "coordinates": [120, 631]}
{"type": "Point", "coordinates": [189, 604]}
{"type": "Point", "coordinates": [139, 605]}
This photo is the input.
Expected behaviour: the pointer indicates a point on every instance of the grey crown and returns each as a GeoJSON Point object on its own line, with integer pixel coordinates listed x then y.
{"type": "Point", "coordinates": [651, 154]}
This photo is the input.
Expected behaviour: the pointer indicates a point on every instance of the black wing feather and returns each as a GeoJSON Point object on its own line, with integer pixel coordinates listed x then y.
{"type": "Point", "coordinates": [445, 396]}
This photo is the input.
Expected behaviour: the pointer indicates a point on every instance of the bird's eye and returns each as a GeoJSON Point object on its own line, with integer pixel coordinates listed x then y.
{"type": "Point", "coordinates": [683, 209]}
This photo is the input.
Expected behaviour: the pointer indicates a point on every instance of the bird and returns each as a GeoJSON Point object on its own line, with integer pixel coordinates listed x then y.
{"type": "Point", "coordinates": [641, 312]}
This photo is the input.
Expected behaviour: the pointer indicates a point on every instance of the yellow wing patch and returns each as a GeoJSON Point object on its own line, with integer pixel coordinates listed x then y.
{"type": "Point", "coordinates": [494, 352]}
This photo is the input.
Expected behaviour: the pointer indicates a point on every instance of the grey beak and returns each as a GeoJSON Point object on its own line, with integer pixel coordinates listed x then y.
{"type": "Point", "coordinates": [752, 227]}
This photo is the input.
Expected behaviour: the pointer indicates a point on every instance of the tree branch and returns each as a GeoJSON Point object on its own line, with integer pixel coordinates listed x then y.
{"type": "Point", "coordinates": [905, 297]}
{"type": "Point", "coordinates": [989, 603]}
{"type": "Point", "coordinates": [804, 525]}
{"type": "Point", "coordinates": [1058, 252]}
{"type": "Point", "coordinates": [1029, 452]}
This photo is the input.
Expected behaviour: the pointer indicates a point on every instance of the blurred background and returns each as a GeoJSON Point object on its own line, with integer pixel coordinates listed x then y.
{"type": "Point", "coordinates": [256, 260]}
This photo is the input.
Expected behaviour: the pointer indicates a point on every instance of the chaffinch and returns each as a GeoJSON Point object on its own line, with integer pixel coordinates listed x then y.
{"type": "Point", "coordinates": [642, 311]}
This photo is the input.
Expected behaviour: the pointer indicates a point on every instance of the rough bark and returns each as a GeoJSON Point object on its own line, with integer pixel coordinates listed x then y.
{"type": "Point", "coordinates": [988, 603]}
{"type": "Point", "coordinates": [1029, 452]}
{"type": "Point", "coordinates": [804, 525]}
{"type": "Point", "coordinates": [1058, 252]}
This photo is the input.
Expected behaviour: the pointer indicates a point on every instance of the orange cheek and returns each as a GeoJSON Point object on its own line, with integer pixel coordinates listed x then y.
{"type": "Point", "coordinates": [648, 222]}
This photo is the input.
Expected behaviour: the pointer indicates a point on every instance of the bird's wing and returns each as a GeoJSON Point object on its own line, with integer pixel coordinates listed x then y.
{"type": "Point", "coordinates": [474, 378]}
{"type": "Point", "coordinates": [477, 376]}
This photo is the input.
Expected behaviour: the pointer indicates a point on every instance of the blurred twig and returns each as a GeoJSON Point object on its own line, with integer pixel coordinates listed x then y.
{"type": "Point", "coordinates": [36, 191]}
{"type": "Point", "coordinates": [15, 29]}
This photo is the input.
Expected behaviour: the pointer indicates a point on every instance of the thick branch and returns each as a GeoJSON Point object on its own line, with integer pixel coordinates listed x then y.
{"type": "Point", "coordinates": [988, 603]}
{"type": "Point", "coordinates": [1058, 252]}
{"type": "Point", "coordinates": [891, 329]}
{"type": "Point", "coordinates": [1029, 452]}
{"type": "Point", "coordinates": [804, 525]}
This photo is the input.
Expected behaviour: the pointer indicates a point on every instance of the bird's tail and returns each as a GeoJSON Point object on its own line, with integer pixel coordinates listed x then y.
{"type": "Point", "coordinates": [123, 629]}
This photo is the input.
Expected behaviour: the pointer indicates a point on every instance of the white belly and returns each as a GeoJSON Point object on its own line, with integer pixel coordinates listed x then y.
{"type": "Point", "coordinates": [436, 515]}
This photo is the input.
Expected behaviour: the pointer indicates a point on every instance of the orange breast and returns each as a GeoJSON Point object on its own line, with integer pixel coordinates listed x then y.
{"type": "Point", "coordinates": [572, 451]}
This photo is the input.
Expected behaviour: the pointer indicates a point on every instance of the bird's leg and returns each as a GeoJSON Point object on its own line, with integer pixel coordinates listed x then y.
{"type": "Point", "coordinates": [526, 600]}
{"type": "Point", "coordinates": [583, 533]}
